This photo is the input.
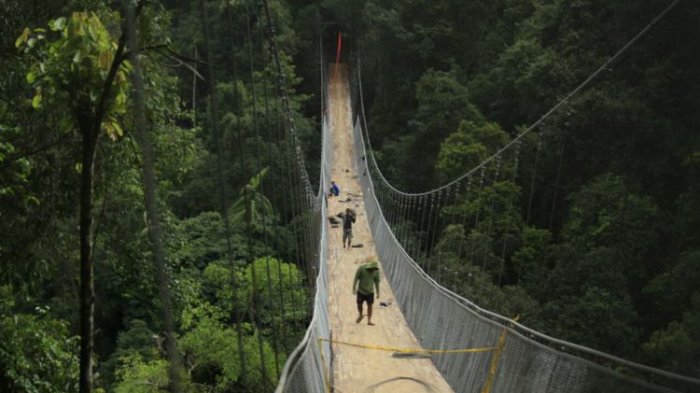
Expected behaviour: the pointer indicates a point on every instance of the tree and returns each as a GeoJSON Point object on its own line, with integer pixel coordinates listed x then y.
{"type": "Point", "coordinates": [443, 103]}
{"type": "Point", "coordinates": [671, 292]}
{"type": "Point", "coordinates": [533, 259]}
{"type": "Point", "coordinates": [598, 270]}
{"type": "Point", "coordinates": [606, 213]}
{"type": "Point", "coordinates": [677, 347]}
{"type": "Point", "coordinates": [252, 208]}
{"type": "Point", "coordinates": [139, 376]}
{"type": "Point", "coordinates": [95, 85]}
{"type": "Point", "coordinates": [280, 294]}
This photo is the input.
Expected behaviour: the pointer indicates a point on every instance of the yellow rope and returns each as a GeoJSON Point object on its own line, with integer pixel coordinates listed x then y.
{"type": "Point", "coordinates": [493, 367]}
{"type": "Point", "coordinates": [326, 371]}
{"type": "Point", "coordinates": [409, 350]}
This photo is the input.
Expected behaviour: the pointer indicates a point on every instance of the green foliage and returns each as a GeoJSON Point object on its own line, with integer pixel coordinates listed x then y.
{"type": "Point", "coordinates": [135, 346]}
{"type": "Point", "coordinates": [436, 89]}
{"type": "Point", "coordinates": [592, 275]}
{"type": "Point", "coordinates": [139, 376]}
{"type": "Point", "coordinates": [493, 208]}
{"type": "Point", "coordinates": [606, 213]}
{"type": "Point", "coordinates": [443, 103]}
{"type": "Point", "coordinates": [201, 240]}
{"type": "Point", "coordinates": [606, 256]}
{"type": "Point", "coordinates": [252, 208]}
{"type": "Point", "coordinates": [594, 317]}
{"type": "Point", "coordinates": [210, 350]}
{"type": "Point", "coordinates": [533, 259]}
{"type": "Point", "coordinates": [37, 352]}
{"type": "Point", "coordinates": [84, 44]}
{"type": "Point", "coordinates": [16, 171]}
{"type": "Point", "coordinates": [677, 346]}
{"type": "Point", "coordinates": [457, 154]}
{"type": "Point", "coordinates": [212, 355]}
{"type": "Point", "coordinates": [277, 287]}
{"type": "Point", "coordinates": [671, 292]}
{"type": "Point", "coordinates": [469, 272]}
{"type": "Point", "coordinates": [63, 71]}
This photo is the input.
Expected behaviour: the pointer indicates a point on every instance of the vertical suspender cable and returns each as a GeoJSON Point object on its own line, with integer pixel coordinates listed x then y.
{"type": "Point", "coordinates": [467, 232]}
{"type": "Point", "coordinates": [489, 228]}
{"type": "Point", "coordinates": [424, 215]}
{"type": "Point", "coordinates": [436, 225]}
{"type": "Point", "coordinates": [292, 134]}
{"type": "Point", "coordinates": [255, 297]}
{"type": "Point", "coordinates": [409, 211]}
{"type": "Point", "coordinates": [505, 231]}
{"type": "Point", "coordinates": [213, 123]}
{"type": "Point", "coordinates": [291, 211]}
{"type": "Point", "coordinates": [268, 139]}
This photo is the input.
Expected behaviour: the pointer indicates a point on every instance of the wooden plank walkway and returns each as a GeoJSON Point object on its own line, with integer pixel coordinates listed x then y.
{"type": "Point", "coordinates": [359, 370]}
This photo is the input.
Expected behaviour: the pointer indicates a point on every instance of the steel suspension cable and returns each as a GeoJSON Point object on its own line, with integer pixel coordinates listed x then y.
{"type": "Point", "coordinates": [505, 233]}
{"type": "Point", "coordinates": [268, 139]}
{"type": "Point", "coordinates": [534, 125]}
{"type": "Point", "coordinates": [411, 209]}
{"type": "Point", "coordinates": [291, 210]}
{"type": "Point", "coordinates": [281, 85]}
{"type": "Point", "coordinates": [280, 278]}
{"type": "Point", "coordinates": [223, 193]}
{"type": "Point", "coordinates": [432, 229]}
{"type": "Point", "coordinates": [489, 228]}
{"type": "Point", "coordinates": [429, 222]}
{"type": "Point", "coordinates": [436, 227]}
{"type": "Point", "coordinates": [249, 203]}
{"type": "Point", "coordinates": [463, 224]}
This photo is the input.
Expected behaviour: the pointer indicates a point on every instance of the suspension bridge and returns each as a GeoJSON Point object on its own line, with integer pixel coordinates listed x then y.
{"type": "Point", "coordinates": [288, 281]}
{"type": "Point", "coordinates": [426, 337]}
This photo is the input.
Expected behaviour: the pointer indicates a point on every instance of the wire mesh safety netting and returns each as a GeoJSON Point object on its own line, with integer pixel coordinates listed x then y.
{"type": "Point", "coordinates": [307, 368]}
{"type": "Point", "coordinates": [522, 359]}
{"type": "Point", "coordinates": [528, 361]}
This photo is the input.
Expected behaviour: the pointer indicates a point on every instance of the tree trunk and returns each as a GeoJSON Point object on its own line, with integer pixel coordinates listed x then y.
{"type": "Point", "coordinates": [153, 214]}
{"type": "Point", "coordinates": [90, 125]}
{"type": "Point", "coordinates": [87, 285]}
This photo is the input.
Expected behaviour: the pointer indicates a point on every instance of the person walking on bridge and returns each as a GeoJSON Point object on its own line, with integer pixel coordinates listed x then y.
{"type": "Point", "coordinates": [348, 220]}
{"type": "Point", "coordinates": [366, 280]}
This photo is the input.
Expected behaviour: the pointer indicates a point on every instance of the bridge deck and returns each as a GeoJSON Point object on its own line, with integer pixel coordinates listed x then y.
{"type": "Point", "coordinates": [357, 370]}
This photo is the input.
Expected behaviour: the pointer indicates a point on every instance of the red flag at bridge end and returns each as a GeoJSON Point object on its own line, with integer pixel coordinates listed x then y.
{"type": "Point", "coordinates": [337, 54]}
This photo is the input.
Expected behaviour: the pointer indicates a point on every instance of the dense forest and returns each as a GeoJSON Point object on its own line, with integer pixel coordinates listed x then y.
{"type": "Point", "coordinates": [603, 239]}
{"type": "Point", "coordinates": [154, 224]}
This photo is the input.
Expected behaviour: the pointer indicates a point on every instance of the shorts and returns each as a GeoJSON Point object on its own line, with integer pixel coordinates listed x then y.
{"type": "Point", "coordinates": [365, 298]}
{"type": "Point", "coordinates": [347, 234]}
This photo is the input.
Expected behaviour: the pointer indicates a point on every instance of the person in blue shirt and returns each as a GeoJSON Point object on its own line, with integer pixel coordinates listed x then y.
{"type": "Point", "coordinates": [335, 190]}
